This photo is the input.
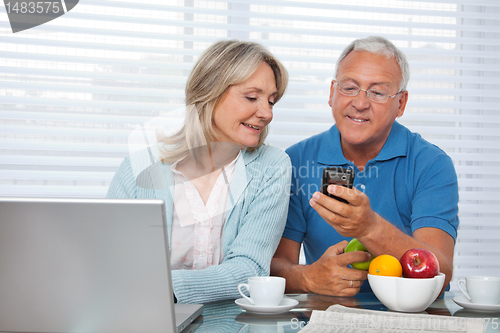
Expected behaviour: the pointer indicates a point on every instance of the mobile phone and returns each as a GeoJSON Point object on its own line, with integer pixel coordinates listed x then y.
{"type": "Point", "coordinates": [337, 176]}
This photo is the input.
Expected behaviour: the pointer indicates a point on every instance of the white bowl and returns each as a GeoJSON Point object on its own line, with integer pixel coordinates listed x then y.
{"type": "Point", "coordinates": [404, 294]}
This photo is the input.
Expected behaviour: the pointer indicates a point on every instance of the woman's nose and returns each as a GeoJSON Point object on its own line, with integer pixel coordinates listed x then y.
{"type": "Point", "coordinates": [265, 111]}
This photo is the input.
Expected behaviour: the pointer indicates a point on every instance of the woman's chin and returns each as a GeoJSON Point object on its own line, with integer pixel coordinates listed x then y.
{"type": "Point", "coordinates": [248, 143]}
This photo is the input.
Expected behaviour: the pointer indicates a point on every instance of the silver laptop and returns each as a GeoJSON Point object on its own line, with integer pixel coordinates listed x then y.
{"type": "Point", "coordinates": [87, 265]}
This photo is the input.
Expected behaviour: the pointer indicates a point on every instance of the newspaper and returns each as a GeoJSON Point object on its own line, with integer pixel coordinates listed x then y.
{"type": "Point", "coordinates": [341, 319]}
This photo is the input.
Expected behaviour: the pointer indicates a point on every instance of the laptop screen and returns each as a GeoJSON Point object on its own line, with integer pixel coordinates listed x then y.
{"type": "Point", "coordinates": [84, 265]}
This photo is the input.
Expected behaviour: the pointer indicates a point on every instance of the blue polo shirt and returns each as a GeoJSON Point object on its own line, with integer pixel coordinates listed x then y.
{"type": "Point", "coordinates": [411, 183]}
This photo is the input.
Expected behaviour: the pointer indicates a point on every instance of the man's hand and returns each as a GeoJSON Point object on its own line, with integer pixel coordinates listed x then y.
{"type": "Point", "coordinates": [330, 274]}
{"type": "Point", "coordinates": [350, 220]}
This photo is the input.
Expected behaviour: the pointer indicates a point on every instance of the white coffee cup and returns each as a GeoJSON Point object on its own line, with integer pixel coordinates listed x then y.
{"type": "Point", "coordinates": [264, 290]}
{"type": "Point", "coordinates": [481, 289]}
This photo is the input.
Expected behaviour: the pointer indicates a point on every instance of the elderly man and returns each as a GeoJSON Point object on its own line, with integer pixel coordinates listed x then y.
{"type": "Point", "coordinates": [405, 191]}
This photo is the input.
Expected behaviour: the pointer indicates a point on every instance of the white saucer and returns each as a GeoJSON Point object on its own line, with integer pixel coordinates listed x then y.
{"type": "Point", "coordinates": [285, 305]}
{"type": "Point", "coordinates": [467, 304]}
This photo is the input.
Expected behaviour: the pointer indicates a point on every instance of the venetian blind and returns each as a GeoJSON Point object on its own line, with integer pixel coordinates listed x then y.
{"type": "Point", "coordinates": [74, 89]}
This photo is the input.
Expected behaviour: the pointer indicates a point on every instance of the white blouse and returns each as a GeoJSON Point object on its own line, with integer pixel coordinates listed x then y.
{"type": "Point", "coordinates": [196, 239]}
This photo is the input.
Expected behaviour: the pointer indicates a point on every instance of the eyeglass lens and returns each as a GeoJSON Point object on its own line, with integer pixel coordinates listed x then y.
{"type": "Point", "coordinates": [350, 89]}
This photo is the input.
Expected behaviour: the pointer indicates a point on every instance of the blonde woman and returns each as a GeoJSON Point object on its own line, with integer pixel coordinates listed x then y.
{"type": "Point", "coordinates": [226, 194]}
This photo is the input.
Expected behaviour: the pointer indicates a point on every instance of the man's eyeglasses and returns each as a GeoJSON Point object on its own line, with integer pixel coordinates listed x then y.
{"type": "Point", "coordinates": [377, 96]}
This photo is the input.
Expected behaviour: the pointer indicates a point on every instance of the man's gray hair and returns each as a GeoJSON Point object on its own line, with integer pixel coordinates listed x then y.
{"type": "Point", "coordinates": [382, 46]}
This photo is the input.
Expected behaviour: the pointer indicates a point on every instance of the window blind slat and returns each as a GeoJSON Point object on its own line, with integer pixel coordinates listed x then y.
{"type": "Point", "coordinates": [57, 175]}
{"type": "Point", "coordinates": [79, 117]}
{"type": "Point", "coordinates": [180, 81]}
{"type": "Point", "coordinates": [94, 87]}
{"type": "Point", "coordinates": [91, 103]}
{"type": "Point", "coordinates": [61, 161]}
{"type": "Point", "coordinates": [32, 145]}
{"type": "Point", "coordinates": [49, 191]}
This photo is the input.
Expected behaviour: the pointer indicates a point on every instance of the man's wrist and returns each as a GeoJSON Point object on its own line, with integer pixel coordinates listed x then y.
{"type": "Point", "coordinates": [374, 233]}
{"type": "Point", "coordinates": [303, 273]}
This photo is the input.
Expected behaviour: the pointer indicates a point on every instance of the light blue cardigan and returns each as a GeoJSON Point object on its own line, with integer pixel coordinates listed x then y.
{"type": "Point", "coordinates": [255, 220]}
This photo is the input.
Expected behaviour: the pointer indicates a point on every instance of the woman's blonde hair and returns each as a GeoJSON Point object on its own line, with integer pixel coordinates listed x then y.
{"type": "Point", "coordinates": [225, 63]}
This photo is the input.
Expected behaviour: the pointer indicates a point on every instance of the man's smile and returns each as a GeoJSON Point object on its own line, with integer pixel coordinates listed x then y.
{"type": "Point", "coordinates": [358, 120]}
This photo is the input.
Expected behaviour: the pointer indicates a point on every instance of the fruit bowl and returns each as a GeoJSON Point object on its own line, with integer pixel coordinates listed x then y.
{"type": "Point", "coordinates": [406, 294]}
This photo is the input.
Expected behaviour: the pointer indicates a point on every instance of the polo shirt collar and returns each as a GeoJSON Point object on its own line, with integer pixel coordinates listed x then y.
{"type": "Point", "coordinates": [330, 151]}
{"type": "Point", "coordinates": [396, 144]}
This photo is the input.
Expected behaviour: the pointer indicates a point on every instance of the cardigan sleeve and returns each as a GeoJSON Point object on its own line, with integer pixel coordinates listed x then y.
{"type": "Point", "coordinates": [126, 185]}
{"type": "Point", "coordinates": [254, 232]}
{"type": "Point", "coordinates": [123, 184]}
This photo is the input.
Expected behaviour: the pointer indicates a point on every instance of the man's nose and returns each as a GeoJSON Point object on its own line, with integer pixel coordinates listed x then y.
{"type": "Point", "coordinates": [361, 101]}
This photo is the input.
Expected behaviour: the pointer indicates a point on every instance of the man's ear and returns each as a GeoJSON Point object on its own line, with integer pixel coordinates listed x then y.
{"type": "Point", "coordinates": [403, 99]}
{"type": "Point", "coordinates": [331, 93]}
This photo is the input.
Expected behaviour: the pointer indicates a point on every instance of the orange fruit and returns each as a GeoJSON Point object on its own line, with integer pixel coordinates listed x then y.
{"type": "Point", "coordinates": [385, 265]}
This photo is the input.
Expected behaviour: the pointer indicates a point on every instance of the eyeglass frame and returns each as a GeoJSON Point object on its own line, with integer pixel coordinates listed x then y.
{"type": "Point", "coordinates": [368, 94]}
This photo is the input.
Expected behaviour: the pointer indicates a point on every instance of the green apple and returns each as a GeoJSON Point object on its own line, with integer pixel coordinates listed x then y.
{"type": "Point", "coordinates": [355, 245]}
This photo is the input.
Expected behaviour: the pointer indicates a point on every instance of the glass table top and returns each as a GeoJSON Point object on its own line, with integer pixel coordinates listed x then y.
{"type": "Point", "coordinates": [227, 316]}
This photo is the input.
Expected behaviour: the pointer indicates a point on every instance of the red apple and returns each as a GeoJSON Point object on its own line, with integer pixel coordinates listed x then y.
{"type": "Point", "coordinates": [420, 264]}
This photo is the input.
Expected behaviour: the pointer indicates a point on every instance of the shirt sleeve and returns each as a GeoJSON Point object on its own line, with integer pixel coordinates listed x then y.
{"type": "Point", "coordinates": [435, 200]}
